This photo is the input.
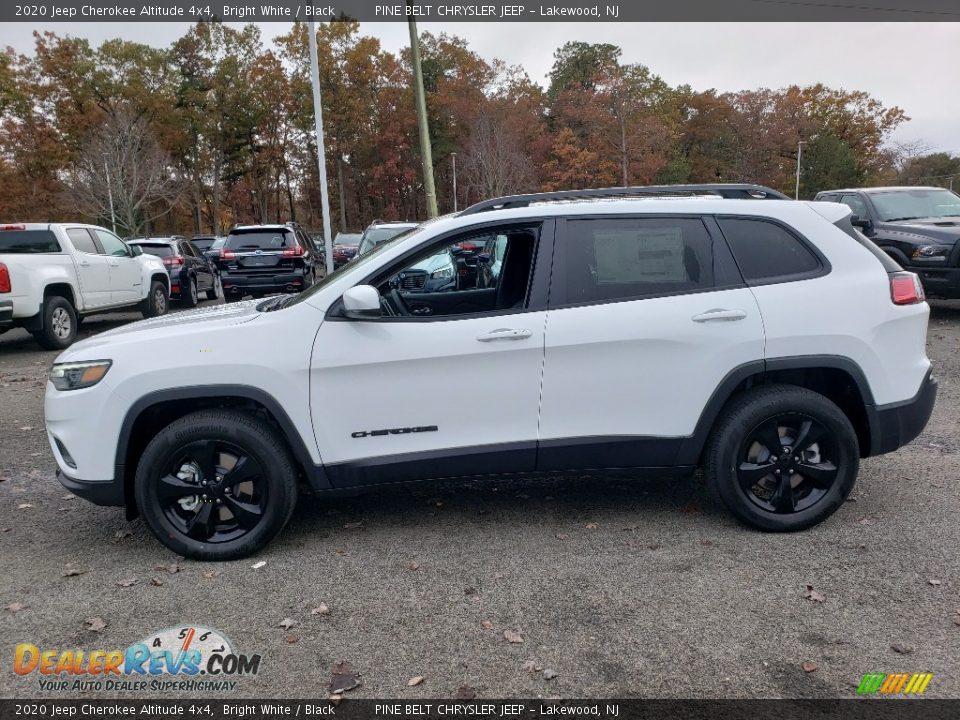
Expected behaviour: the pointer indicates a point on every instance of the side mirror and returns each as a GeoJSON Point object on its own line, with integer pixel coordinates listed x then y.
{"type": "Point", "coordinates": [135, 250]}
{"type": "Point", "coordinates": [483, 258]}
{"type": "Point", "coordinates": [863, 223]}
{"type": "Point", "coordinates": [362, 303]}
{"type": "Point", "coordinates": [456, 251]}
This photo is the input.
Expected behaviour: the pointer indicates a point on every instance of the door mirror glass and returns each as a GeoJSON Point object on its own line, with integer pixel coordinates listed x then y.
{"type": "Point", "coordinates": [861, 222]}
{"type": "Point", "coordinates": [362, 303]}
{"type": "Point", "coordinates": [135, 250]}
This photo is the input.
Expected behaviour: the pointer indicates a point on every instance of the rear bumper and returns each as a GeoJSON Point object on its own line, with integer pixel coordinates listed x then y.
{"type": "Point", "coordinates": [240, 284]}
{"type": "Point", "coordinates": [6, 314]}
{"type": "Point", "coordinates": [893, 426]}
{"type": "Point", "coordinates": [108, 492]}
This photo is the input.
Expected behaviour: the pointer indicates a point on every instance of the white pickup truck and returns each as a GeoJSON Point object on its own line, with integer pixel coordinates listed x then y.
{"type": "Point", "coordinates": [54, 274]}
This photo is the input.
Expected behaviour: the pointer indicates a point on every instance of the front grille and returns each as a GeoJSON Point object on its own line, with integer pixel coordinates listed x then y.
{"type": "Point", "coordinates": [413, 281]}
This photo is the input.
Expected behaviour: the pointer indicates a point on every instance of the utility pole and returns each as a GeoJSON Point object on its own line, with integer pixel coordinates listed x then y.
{"type": "Point", "coordinates": [425, 151]}
{"type": "Point", "coordinates": [799, 157]}
{"type": "Point", "coordinates": [321, 148]}
{"type": "Point", "coordinates": [113, 217]}
{"type": "Point", "coordinates": [453, 156]}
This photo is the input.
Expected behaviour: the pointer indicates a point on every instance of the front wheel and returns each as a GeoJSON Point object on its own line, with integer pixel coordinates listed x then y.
{"type": "Point", "coordinates": [782, 458]}
{"type": "Point", "coordinates": [216, 485]}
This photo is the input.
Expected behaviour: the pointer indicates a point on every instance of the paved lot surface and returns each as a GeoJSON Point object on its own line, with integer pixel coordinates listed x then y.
{"type": "Point", "coordinates": [622, 588]}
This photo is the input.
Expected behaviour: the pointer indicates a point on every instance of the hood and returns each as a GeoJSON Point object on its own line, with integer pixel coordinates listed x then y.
{"type": "Point", "coordinates": [433, 263]}
{"type": "Point", "coordinates": [200, 320]}
{"type": "Point", "coordinates": [944, 230]}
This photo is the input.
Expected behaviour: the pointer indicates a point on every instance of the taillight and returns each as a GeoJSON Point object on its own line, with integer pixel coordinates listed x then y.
{"type": "Point", "coordinates": [905, 289]}
{"type": "Point", "coordinates": [5, 286]}
{"type": "Point", "coordinates": [295, 251]}
{"type": "Point", "coordinates": [227, 254]}
{"type": "Point", "coordinates": [173, 261]}
{"type": "Point", "coordinates": [19, 226]}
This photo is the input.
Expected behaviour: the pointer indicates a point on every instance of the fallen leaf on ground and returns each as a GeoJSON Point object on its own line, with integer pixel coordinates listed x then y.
{"type": "Point", "coordinates": [562, 536]}
{"type": "Point", "coordinates": [15, 607]}
{"type": "Point", "coordinates": [901, 648]}
{"type": "Point", "coordinates": [25, 428]}
{"type": "Point", "coordinates": [934, 582]}
{"type": "Point", "coordinates": [156, 582]}
{"type": "Point", "coordinates": [528, 665]}
{"type": "Point", "coordinates": [258, 565]}
{"type": "Point", "coordinates": [335, 700]}
{"type": "Point", "coordinates": [320, 609]}
{"type": "Point", "coordinates": [291, 639]}
{"type": "Point", "coordinates": [465, 692]}
{"type": "Point", "coordinates": [956, 618]}
{"type": "Point", "coordinates": [809, 667]}
{"type": "Point", "coordinates": [486, 625]}
{"type": "Point", "coordinates": [73, 572]}
{"type": "Point", "coordinates": [121, 535]}
{"type": "Point", "coordinates": [94, 624]}
{"type": "Point", "coordinates": [24, 506]}
{"type": "Point", "coordinates": [512, 636]}
{"type": "Point", "coordinates": [343, 678]}
{"type": "Point", "coordinates": [414, 681]}
{"type": "Point", "coordinates": [287, 623]}
{"type": "Point", "coordinates": [549, 674]}
{"type": "Point", "coordinates": [591, 526]}
{"type": "Point", "coordinates": [813, 595]}
{"type": "Point", "coordinates": [211, 573]}
{"type": "Point", "coordinates": [413, 566]}
{"type": "Point", "coordinates": [172, 568]}
{"type": "Point", "coordinates": [129, 582]}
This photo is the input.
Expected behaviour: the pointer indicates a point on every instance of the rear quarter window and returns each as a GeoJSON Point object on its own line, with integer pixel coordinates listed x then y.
{"type": "Point", "coordinates": [766, 251]}
{"type": "Point", "coordinates": [28, 241]}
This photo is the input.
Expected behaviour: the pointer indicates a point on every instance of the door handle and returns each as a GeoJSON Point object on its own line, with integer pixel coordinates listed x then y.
{"type": "Point", "coordinates": [719, 314]}
{"type": "Point", "coordinates": [504, 334]}
{"type": "Point", "coordinates": [85, 263]}
{"type": "Point", "coordinates": [114, 263]}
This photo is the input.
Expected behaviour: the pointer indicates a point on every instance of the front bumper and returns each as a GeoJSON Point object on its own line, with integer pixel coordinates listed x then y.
{"type": "Point", "coordinates": [107, 492]}
{"type": "Point", "coordinates": [242, 284]}
{"type": "Point", "coordinates": [6, 314]}
{"type": "Point", "coordinates": [893, 426]}
{"type": "Point", "coordinates": [943, 282]}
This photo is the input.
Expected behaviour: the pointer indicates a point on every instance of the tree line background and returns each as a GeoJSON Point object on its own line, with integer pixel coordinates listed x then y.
{"type": "Point", "coordinates": [218, 129]}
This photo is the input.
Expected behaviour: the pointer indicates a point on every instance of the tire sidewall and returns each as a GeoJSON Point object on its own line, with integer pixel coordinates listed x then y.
{"type": "Point", "coordinates": [725, 450]}
{"type": "Point", "coordinates": [46, 336]}
{"type": "Point", "coordinates": [255, 438]}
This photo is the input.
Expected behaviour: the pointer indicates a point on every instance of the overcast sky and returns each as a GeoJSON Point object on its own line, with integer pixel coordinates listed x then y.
{"type": "Point", "coordinates": [912, 65]}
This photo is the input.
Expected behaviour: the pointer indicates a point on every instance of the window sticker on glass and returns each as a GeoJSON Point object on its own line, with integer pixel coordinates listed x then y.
{"type": "Point", "coordinates": [653, 255]}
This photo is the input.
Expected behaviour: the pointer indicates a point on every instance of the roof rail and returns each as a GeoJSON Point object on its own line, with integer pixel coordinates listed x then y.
{"type": "Point", "coordinates": [730, 191]}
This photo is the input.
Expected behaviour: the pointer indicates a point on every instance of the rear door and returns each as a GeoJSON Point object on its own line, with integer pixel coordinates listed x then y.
{"type": "Point", "coordinates": [647, 317]}
{"type": "Point", "coordinates": [93, 268]}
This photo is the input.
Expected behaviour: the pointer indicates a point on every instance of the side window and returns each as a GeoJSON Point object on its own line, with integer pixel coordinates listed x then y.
{"type": "Point", "coordinates": [112, 245]}
{"type": "Point", "coordinates": [765, 250]}
{"type": "Point", "coordinates": [615, 259]}
{"type": "Point", "coordinates": [468, 274]}
{"type": "Point", "coordinates": [82, 241]}
{"type": "Point", "coordinates": [855, 203]}
{"type": "Point", "coordinates": [190, 249]}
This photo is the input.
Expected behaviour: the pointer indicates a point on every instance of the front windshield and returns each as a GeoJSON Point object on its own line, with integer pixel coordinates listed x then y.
{"type": "Point", "coordinates": [353, 265]}
{"type": "Point", "coordinates": [914, 204]}
{"type": "Point", "coordinates": [379, 236]}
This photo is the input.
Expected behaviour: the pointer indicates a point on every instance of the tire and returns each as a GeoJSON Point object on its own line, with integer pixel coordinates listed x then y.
{"type": "Point", "coordinates": [189, 296]}
{"type": "Point", "coordinates": [263, 496]}
{"type": "Point", "coordinates": [216, 292]}
{"type": "Point", "coordinates": [157, 301]}
{"type": "Point", "coordinates": [59, 324]}
{"type": "Point", "coordinates": [789, 491]}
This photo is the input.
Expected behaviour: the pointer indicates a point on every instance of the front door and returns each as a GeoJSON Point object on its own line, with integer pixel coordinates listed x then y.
{"type": "Point", "coordinates": [647, 317]}
{"type": "Point", "coordinates": [447, 383]}
{"type": "Point", "coordinates": [126, 278]}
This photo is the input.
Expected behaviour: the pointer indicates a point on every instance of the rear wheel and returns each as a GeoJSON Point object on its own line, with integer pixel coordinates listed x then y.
{"type": "Point", "coordinates": [216, 292]}
{"type": "Point", "coordinates": [157, 301]}
{"type": "Point", "coordinates": [216, 485]}
{"type": "Point", "coordinates": [59, 324]}
{"type": "Point", "coordinates": [190, 296]}
{"type": "Point", "coordinates": [782, 458]}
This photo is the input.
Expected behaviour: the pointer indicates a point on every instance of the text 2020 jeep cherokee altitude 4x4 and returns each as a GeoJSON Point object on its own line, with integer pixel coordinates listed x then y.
{"type": "Point", "coordinates": [766, 341]}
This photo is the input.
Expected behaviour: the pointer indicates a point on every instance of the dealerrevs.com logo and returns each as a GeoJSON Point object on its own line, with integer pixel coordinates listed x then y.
{"type": "Point", "coordinates": [189, 658]}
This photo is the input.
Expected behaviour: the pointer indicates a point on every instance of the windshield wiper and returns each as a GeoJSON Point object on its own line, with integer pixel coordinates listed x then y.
{"type": "Point", "coordinates": [910, 217]}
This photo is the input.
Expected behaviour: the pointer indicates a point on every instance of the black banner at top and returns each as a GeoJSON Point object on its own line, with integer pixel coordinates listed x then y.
{"type": "Point", "coordinates": [485, 11]}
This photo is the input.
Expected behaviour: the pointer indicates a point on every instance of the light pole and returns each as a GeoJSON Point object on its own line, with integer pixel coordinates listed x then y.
{"type": "Point", "coordinates": [453, 156]}
{"type": "Point", "coordinates": [799, 157]}
{"type": "Point", "coordinates": [426, 153]}
{"type": "Point", "coordinates": [321, 150]}
{"type": "Point", "coordinates": [113, 217]}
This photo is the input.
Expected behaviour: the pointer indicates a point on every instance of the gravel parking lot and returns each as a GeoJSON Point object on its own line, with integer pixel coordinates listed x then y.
{"type": "Point", "coordinates": [617, 587]}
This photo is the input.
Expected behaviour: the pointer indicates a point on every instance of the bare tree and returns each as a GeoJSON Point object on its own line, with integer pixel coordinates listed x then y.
{"type": "Point", "coordinates": [496, 163]}
{"type": "Point", "coordinates": [123, 160]}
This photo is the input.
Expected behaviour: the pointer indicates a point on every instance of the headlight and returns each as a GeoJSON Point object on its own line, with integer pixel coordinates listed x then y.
{"type": "Point", "coordinates": [77, 375]}
{"type": "Point", "coordinates": [931, 252]}
{"type": "Point", "coordinates": [444, 273]}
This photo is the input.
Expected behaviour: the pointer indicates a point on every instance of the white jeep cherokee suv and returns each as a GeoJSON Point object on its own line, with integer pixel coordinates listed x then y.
{"type": "Point", "coordinates": [764, 340]}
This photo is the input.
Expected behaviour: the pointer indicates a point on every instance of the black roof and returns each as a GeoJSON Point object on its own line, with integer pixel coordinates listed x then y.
{"type": "Point", "coordinates": [725, 190]}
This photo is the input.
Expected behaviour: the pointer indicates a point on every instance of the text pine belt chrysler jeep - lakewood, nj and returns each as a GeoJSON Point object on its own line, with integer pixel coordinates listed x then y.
{"type": "Point", "coordinates": [765, 340]}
